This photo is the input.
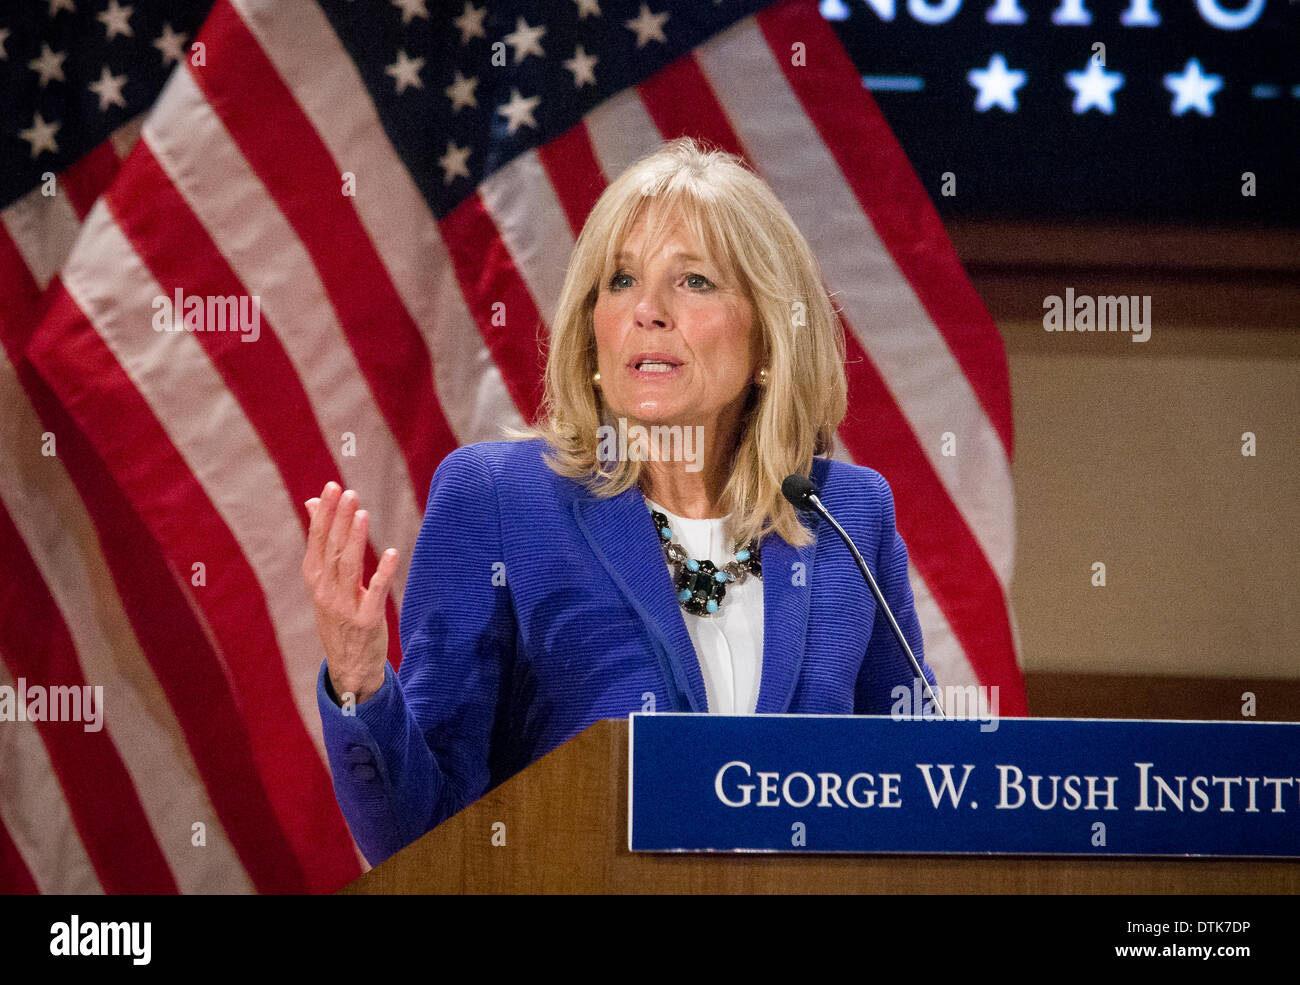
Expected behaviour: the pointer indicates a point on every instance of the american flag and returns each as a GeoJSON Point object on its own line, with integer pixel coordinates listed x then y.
{"type": "Point", "coordinates": [399, 184]}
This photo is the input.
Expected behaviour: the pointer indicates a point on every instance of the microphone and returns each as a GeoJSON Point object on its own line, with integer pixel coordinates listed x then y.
{"type": "Point", "coordinates": [801, 492]}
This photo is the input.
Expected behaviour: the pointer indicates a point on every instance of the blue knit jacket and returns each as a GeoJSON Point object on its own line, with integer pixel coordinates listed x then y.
{"type": "Point", "coordinates": [534, 608]}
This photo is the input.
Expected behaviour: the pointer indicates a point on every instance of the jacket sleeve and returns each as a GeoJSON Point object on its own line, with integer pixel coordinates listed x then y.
{"type": "Point", "coordinates": [886, 666]}
{"type": "Point", "coordinates": [419, 749]}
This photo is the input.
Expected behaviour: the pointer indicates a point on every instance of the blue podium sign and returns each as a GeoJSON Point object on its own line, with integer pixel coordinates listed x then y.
{"type": "Point", "coordinates": [811, 783]}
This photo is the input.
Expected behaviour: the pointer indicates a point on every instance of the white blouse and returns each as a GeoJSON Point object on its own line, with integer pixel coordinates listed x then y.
{"type": "Point", "coordinates": [728, 643]}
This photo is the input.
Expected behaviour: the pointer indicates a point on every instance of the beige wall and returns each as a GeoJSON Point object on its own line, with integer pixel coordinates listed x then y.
{"type": "Point", "coordinates": [1130, 453]}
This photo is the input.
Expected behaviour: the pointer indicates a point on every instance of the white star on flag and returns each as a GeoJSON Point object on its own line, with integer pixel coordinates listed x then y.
{"type": "Point", "coordinates": [411, 9]}
{"type": "Point", "coordinates": [49, 65]}
{"type": "Point", "coordinates": [526, 40]}
{"type": "Point", "coordinates": [452, 163]}
{"type": "Point", "coordinates": [996, 84]}
{"type": "Point", "coordinates": [582, 66]}
{"type": "Point", "coordinates": [406, 71]}
{"type": "Point", "coordinates": [1094, 88]}
{"type": "Point", "coordinates": [461, 92]}
{"type": "Point", "coordinates": [586, 7]}
{"type": "Point", "coordinates": [116, 20]}
{"type": "Point", "coordinates": [519, 111]}
{"type": "Point", "coordinates": [41, 135]}
{"type": "Point", "coordinates": [108, 89]}
{"type": "Point", "coordinates": [470, 22]}
{"type": "Point", "coordinates": [4, 33]}
{"type": "Point", "coordinates": [171, 44]}
{"type": "Point", "coordinates": [57, 5]}
{"type": "Point", "coordinates": [1193, 89]}
{"type": "Point", "coordinates": [648, 27]}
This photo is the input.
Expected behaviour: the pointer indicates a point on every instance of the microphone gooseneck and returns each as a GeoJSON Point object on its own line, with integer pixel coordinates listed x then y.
{"type": "Point", "coordinates": [801, 492]}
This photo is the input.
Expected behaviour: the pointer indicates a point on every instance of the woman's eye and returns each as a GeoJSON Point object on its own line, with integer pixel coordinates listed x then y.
{"type": "Point", "coordinates": [696, 282]}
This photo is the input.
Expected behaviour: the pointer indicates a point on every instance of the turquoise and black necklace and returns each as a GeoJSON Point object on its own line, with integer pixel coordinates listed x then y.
{"type": "Point", "coordinates": [701, 584]}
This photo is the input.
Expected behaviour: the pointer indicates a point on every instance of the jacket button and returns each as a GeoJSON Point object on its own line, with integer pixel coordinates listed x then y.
{"type": "Point", "coordinates": [358, 754]}
{"type": "Point", "coordinates": [363, 771]}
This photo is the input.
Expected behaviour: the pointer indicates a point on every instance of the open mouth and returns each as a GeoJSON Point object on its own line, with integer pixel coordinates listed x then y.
{"type": "Point", "coordinates": [654, 363]}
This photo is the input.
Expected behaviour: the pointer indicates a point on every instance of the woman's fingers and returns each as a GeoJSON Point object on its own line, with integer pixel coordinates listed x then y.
{"type": "Point", "coordinates": [349, 618]}
{"type": "Point", "coordinates": [322, 515]}
{"type": "Point", "coordinates": [335, 559]}
{"type": "Point", "coordinates": [338, 534]}
{"type": "Point", "coordinates": [353, 552]}
{"type": "Point", "coordinates": [372, 606]}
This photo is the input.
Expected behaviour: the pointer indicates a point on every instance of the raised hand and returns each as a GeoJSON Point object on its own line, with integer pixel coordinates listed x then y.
{"type": "Point", "coordinates": [349, 615]}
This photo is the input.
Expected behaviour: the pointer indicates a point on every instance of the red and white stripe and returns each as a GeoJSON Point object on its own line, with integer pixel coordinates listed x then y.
{"type": "Point", "coordinates": [299, 42]}
{"type": "Point", "coordinates": [66, 560]}
{"type": "Point", "coordinates": [42, 229]}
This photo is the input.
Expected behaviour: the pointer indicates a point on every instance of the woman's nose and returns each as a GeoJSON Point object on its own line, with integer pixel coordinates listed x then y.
{"type": "Point", "coordinates": [651, 310]}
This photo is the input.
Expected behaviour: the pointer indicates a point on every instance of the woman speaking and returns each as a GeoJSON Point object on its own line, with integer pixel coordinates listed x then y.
{"type": "Point", "coordinates": [633, 550]}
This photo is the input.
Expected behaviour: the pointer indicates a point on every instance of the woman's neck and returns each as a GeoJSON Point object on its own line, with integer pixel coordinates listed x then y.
{"type": "Point", "coordinates": [694, 495]}
{"type": "Point", "coordinates": [695, 488]}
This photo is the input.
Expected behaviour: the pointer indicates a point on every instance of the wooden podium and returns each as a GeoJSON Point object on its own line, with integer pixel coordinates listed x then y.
{"type": "Point", "coordinates": [565, 831]}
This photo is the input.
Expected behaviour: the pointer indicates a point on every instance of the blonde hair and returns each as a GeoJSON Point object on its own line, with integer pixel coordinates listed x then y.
{"type": "Point", "coordinates": [745, 229]}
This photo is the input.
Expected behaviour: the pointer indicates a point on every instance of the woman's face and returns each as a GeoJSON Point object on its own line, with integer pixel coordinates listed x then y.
{"type": "Point", "coordinates": [674, 339]}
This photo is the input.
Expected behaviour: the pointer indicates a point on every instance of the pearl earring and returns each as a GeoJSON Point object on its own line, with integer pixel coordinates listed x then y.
{"type": "Point", "coordinates": [596, 378]}
{"type": "Point", "coordinates": [762, 377]}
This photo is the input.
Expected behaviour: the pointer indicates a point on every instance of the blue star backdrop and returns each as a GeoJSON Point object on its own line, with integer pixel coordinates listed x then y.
{"type": "Point", "coordinates": [1011, 96]}
{"type": "Point", "coordinates": [1158, 124]}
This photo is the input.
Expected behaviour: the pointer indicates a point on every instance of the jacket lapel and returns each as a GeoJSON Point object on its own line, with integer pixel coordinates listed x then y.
{"type": "Point", "coordinates": [785, 621]}
{"type": "Point", "coordinates": [787, 597]}
{"type": "Point", "coordinates": [623, 536]}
